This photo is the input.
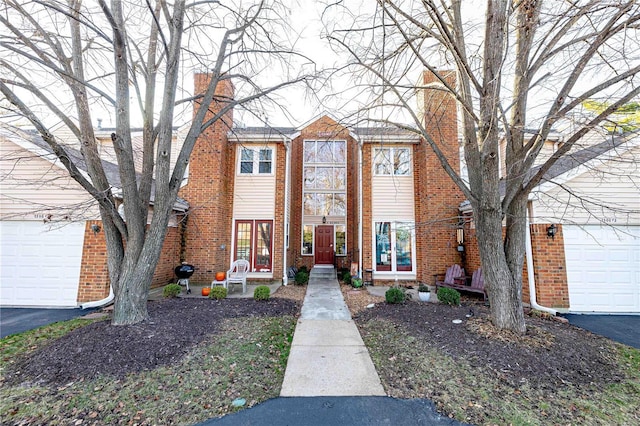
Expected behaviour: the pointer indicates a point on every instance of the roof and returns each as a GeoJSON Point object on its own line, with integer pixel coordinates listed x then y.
{"type": "Point", "coordinates": [42, 148]}
{"type": "Point", "coordinates": [366, 134]}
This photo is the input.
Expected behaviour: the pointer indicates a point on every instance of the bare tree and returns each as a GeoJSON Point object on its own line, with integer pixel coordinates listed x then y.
{"type": "Point", "coordinates": [520, 69]}
{"type": "Point", "coordinates": [97, 55]}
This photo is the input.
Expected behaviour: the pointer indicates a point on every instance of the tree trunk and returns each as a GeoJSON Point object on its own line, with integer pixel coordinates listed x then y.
{"type": "Point", "coordinates": [504, 287]}
{"type": "Point", "coordinates": [130, 304]}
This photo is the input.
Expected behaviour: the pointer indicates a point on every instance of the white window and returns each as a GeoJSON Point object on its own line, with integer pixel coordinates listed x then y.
{"type": "Point", "coordinates": [391, 161]}
{"type": "Point", "coordinates": [325, 178]}
{"type": "Point", "coordinates": [394, 242]}
{"type": "Point", "coordinates": [256, 161]}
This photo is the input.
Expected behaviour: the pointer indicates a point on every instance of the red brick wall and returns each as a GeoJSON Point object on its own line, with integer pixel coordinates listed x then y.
{"type": "Point", "coordinates": [169, 259]}
{"type": "Point", "coordinates": [548, 263]}
{"type": "Point", "coordinates": [94, 275]}
{"type": "Point", "coordinates": [367, 209]}
{"type": "Point", "coordinates": [278, 223]}
{"type": "Point", "coordinates": [550, 267]}
{"type": "Point", "coordinates": [210, 192]}
{"type": "Point", "coordinates": [294, 256]}
{"type": "Point", "coordinates": [436, 196]}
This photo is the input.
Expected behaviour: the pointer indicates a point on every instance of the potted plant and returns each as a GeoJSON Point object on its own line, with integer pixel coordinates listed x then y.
{"type": "Point", "coordinates": [356, 282]}
{"type": "Point", "coordinates": [424, 292]}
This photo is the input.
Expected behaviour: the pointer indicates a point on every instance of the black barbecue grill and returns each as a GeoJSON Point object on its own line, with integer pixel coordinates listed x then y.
{"type": "Point", "coordinates": [184, 272]}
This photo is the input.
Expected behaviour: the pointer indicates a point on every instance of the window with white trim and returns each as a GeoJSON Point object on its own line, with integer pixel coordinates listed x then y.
{"type": "Point", "coordinates": [394, 242]}
{"type": "Point", "coordinates": [254, 243]}
{"type": "Point", "coordinates": [256, 161]}
{"type": "Point", "coordinates": [391, 161]}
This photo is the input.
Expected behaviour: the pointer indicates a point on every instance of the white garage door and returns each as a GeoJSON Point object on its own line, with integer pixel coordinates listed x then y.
{"type": "Point", "coordinates": [40, 266]}
{"type": "Point", "coordinates": [603, 268]}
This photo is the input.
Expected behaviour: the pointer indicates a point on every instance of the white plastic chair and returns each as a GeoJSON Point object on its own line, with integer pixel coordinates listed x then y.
{"type": "Point", "coordinates": [238, 274]}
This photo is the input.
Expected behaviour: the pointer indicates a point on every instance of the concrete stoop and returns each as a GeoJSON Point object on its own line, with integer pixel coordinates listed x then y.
{"type": "Point", "coordinates": [328, 356]}
{"type": "Point", "coordinates": [322, 273]}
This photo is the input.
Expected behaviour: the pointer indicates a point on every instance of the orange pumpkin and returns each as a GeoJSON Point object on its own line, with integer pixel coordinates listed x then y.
{"type": "Point", "coordinates": [206, 291]}
{"type": "Point", "coordinates": [220, 276]}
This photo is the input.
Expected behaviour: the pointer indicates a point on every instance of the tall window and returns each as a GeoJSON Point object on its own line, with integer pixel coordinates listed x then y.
{"type": "Point", "coordinates": [324, 185]}
{"type": "Point", "coordinates": [254, 243]}
{"type": "Point", "coordinates": [325, 178]}
{"type": "Point", "coordinates": [383, 246]}
{"type": "Point", "coordinates": [394, 246]}
{"type": "Point", "coordinates": [307, 239]}
{"type": "Point", "coordinates": [392, 161]}
{"type": "Point", "coordinates": [256, 161]}
{"type": "Point", "coordinates": [341, 240]}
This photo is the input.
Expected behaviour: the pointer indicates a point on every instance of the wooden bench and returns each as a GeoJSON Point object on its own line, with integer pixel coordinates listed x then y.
{"type": "Point", "coordinates": [460, 283]}
{"type": "Point", "coordinates": [454, 275]}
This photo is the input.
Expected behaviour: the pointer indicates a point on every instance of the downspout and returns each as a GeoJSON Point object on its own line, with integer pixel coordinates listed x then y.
{"type": "Point", "coordinates": [360, 248]}
{"type": "Point", "coordinates": [287, 165]}
{"type": "Point", "coordinates": [99, 303]}
{"type": "Point", "coordinates": [531, 274]}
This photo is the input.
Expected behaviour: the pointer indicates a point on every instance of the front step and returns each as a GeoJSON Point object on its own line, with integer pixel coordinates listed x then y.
{"type": "Point", "coordinates": [323, 273]}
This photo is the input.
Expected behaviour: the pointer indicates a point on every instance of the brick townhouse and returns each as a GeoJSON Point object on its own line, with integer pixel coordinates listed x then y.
{"type": "Point", "coordinates": [364, 198]}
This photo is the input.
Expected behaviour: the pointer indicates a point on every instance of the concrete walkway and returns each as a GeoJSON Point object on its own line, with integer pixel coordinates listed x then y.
{"type": "Point", "coordinates": [328, 356]}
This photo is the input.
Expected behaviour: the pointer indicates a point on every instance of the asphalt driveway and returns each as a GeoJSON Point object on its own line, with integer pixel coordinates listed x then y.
{"type": "Point", "coordinates": [621, 328]}
{"type": "Point", "coordinates": [337, 411]}
{"type": "Point", "coordinates": [18, 320]}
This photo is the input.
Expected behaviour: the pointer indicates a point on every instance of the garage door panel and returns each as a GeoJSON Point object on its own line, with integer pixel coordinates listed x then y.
{"type": "Point", "coordinates": [40, 266]}
{"type": "Point", "coordinates": [625, 301]}
{"type": "Point", "coordinates": [603, 268]}
{"type": "Point", "coordinates": [620, 255]}
{"type": "Point", "coordinates": [621, 277]}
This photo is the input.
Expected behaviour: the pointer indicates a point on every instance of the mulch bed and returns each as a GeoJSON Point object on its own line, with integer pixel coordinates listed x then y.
{"type": "Point", "coordinates": [549, 355]}
{"type": "Point", "coordinates": [174, 328]}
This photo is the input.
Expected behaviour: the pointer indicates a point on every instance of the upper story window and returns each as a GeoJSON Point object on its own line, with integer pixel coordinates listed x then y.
{"type": "Point", "coordinates": [391, 162]}
{"type": "Point", "coordinates": [325, 152]}
{"type": "Point", "coordinates": [325, 178]}
{"type": "Point", "coordinates": [256, 161]}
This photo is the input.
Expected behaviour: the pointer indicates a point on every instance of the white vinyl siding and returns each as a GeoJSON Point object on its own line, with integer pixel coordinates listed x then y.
{"type": "Point", "coordinates": [608, 193]}
{"type": "Point", "coordinates": [254, 193]}
{"type": "Point", "coordinates": [34, 188]}
{"type": "Point", "coordinates": [392, 197]}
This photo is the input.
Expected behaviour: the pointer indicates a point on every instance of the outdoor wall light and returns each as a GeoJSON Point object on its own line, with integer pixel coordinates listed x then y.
{"type": "Point", "coordinates": [551, 231]}
{"type": "Point", "coordinates": [95, 228]}
{"type": "Point", "coordinates": [324, 219]}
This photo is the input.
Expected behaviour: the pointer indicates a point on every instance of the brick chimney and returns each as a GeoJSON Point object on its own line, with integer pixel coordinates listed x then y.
{"type": "Point", "coordinates": [209, 190]}
{"type": "Point", "coordinates": [436, 196]}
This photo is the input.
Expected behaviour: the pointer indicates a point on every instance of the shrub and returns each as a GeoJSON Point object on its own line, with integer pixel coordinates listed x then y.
{"type": "Point", "coordinates": [218, 293]}
{"type": "Point", "coordinates": [303, 268]}
{"type": "Point", "coordinates": [356, 282]}
{"type": "Point", "coordinates": [302, 278]}
{"type": "Point", "coordinates": [395, 295]}
{"type": "Point", "coordinates": [262, 292]}
{"type": "Point", "coordinates": [346, 277]}
{"type": "Point", "coordinates": [171, 290]}
{"type": "Point", "coordinates": [449, 296]}
{"type": "Point", "coordinates": [423, 288]}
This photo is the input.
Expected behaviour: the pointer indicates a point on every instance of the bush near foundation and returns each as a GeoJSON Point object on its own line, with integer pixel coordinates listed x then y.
{"type": "Point", "coordinates": [449, 296]}
{"type": "Point", "coordinates": [395, 295]}
{"type": "Point", "coordinates": [262, 292]}
{"type": "Point", "coordinates": [171, 290]}
{"type": "Point", "coordinates": [218, 293]}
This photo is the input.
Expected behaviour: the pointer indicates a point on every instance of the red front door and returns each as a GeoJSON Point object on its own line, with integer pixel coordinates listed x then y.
{"type": "Point", "coordinates": [324, 245]}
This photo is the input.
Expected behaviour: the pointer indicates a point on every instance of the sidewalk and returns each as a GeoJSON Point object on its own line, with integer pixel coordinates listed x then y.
{"type": "Point", "coordinates": [330, 379]}
{"type": "Point", "coordinates": [328, 356]}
